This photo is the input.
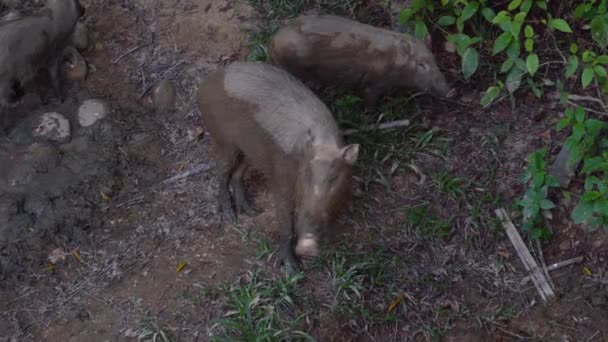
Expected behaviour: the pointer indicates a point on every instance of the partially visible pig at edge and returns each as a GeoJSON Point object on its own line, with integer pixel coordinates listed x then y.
{"type": "Point", "coordinates": [262, 114]}
{"type": "Point", "coordinates": [336, 51]}
{"type": "Point", "coordinates": [29, 44]}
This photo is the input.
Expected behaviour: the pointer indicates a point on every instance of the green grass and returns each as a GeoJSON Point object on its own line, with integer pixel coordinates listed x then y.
{"type": "Point", "coordinates": [429, 226]}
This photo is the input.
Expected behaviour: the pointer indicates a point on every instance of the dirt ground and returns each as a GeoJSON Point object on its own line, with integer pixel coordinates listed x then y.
{"type": "Point", "coordinates": [125, 232]}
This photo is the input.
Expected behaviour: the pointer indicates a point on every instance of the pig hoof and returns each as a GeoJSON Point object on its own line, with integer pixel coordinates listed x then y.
{"type": "Point", "coordinates": [290, 264]}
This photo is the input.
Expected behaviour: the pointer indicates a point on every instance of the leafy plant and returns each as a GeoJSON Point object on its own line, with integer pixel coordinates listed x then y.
{"type": "Point", "coordinates": [536, 203]}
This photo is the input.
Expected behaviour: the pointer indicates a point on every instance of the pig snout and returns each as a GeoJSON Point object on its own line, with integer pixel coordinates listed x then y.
{"type": "Point", "coordinates": [307, 247]}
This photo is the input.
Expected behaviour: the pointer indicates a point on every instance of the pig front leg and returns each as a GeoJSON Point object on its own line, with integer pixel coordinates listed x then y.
{"type": "Point", "coordinates": [228, 164]}
{"type": "Point", "coordinates": [55, 81]}
{"type": "Point", "coordinates": [284, 206]}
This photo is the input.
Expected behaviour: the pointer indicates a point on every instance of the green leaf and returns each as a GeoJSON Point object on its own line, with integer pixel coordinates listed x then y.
{"type": "Point", "coordinates": [501, 17]}
{"type": "Point", "coordinates": [578, 131]}
{"type": "Point", "coordinates": [601, 207]}
{"type": "Point", "coordinates": [542, 5]}
{"type": "Point", "coordinates": [506, 65]}
{"type": "Point", "coordinates": [488, 13]}
{"type": "Point", "coordinates": [470, 62]}
{"type": "Point", "coordinates": [526, 6]}
{"type": "Point", "coordinates": [599, 31]}
{"type": "Point", "coordinates": [444, 2]}
{"type": "Point", "coordinates": [588, 56]}
{"type": "Point", "coordinates": [532, 63]}
{"type": "Point", "coordinates": [546, 204]}
{"type": "Point", "coordinates": [514, 79]}
{"type": "Point", "coordinates": [582, 212]}
{"type": "Point", "coordinates": [560, 25]}
{"type": "Point", "coordinates": [529, 31]}
{"type": "Point", "coordinates": [469, 10]}
{"type": "Point", "coordinates": [514, 4]}
{"type": "Point", "coordinates": [573, 48]}
{"type": "Point", "coordinates": [420, 30]}
{"type": "Point", "coordinates": [600, 71]}
{"type": "Point", "coordinates": [603, 59]}
{"type": "Point", "coordinates": [569, 112]}
{"type": "Point", "coordinates": [446, 20]}
{"type": "Point", "coordinates": [591, 181]}
{"type": "Point", "coordinates": [460, 24]}
{"type": "Point", "coordinates": [404, 16]}
{"type": "Point", "coordinates": [590, 196]}
{"type": "Point", "coordinates": [594, 126]}
{"type": "Point", "coordinates": [552, 181]}
{"type": "Point", "coordinates": [531, 211]}
{"type": "Point", "coordinates": [529, 44]}
{"type": "Point", "coordinates": [520, 63]}
{"type": "Point", "coordinates": [490, 95]}
{"type": "Point", "coordinates": [587, 76]}
{"type": "Point", "coordinates": [502, 42]}
{"type": "Point", "coordinates": [591, 165]}
{"type": "Point", "coordinates": [417, 5]}
{"type": "Point", "coordinates": [535, 89]}
{"type": "Point", "coordinates": [572, 66]}
{"type": "Point", "coordinates": [515, 27]}
{"type": "Point", "coordinates": [579, 114]}
{"type": "Point", "coordinates": [562, 123]}
{"type": "Point", "coordinates": [513, 50]}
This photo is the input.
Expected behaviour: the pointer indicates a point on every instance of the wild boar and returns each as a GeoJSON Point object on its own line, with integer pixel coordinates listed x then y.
{"type": "Point", "coordinates": [29, 44]}
{"type": "Point", "coordinates": [337, 51]}
{"type": "Point", "coordinates": [264, 114]}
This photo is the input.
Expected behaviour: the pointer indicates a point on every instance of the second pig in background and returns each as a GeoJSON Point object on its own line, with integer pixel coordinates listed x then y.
{"type": "Point", "coordinates": [336, 51]}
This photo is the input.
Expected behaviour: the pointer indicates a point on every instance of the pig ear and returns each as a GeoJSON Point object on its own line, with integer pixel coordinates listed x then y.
{"type": "Point", "coordinates": [350, 153]}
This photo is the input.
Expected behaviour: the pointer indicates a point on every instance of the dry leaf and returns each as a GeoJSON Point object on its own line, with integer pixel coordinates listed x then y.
{"type": "Point", "coordinates": [105, 197]}
{"type": "Point", "coordinates": [57, 255]}
{"type": "Point", "coordinates": [587, 271]}
{"type": "Point", "coordinates": [181, 266]}
{"type": "Point", "coordinates": [394, 304]}
{"type": "Point", "coordinates": [76, 256]}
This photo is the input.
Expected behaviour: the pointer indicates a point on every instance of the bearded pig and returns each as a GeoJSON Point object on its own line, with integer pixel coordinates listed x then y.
{"type": "Point", "coordinates": [261, 113]}
{"type": "Point", "coordinates": [337, 51]}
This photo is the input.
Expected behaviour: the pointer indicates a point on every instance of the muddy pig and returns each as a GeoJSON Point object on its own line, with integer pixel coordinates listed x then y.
{"type": "Point", "coordinates": [337, 51]}
{"type": "Point", "coordinates": [29, 44]}
{"type": "Point", "coordinates": [263, 114]}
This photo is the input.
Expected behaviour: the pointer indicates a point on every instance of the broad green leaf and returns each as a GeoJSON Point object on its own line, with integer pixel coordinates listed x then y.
{"type": "Point", "coordinates": [590, 196]}
{"type": "Point", "coordinates": [501, 17]}
{"type": "Point", "coordinates": [601, 207]}
{"type": "Point", "coordinates": [514, 79]}
{"type": "Point", "coordinates": [420, 30]}
{"type": "Point", "coordinates": [417, 5]}
{"type": "Point", "coordinates": [446, 20]}
{"type": "Point", "coordinates": [603, 59]}
{"type": "Point", "coordinates": [587, 76]}
{"type": "Point", "coordinates": [546, 204]}
{"type": "Point", "coordinates": [578, 131]}
{"type": "Point", "coordinates": [529, 31]}
{"type": "Point", "coordinates": [579, 114]}
{"type": "Point", "coordinates": [600, 71]}
{"type": "Point", "coordinates": [470, 62]}
{"type": "Point", "coordinates": [562, 123]}
{"type": "Point", "coordinates": [490, 95]}
{"type": "Point", "coordinates": [502, 42]}
{"type": "Point", "coordinates": [580, 10]}
{"type": "Point", "coordinates": [506, 65]}
{"type": "Point", "coordinates": [588, 56]}
{"type": "Point", "coordinates": [535, 89]}
{"type": "Point", "coordinates": [599, 31]}
{"type": "Point", "coordinates": [488, 13]}
{"type": "Point", "coordinates": [542, 5]}
{"type": "Point", "coordinates": [513, 5]}
{"type": "Point", "coordinates": [560, 25]}
{"type": "Point", "coordinates": [520, 17]}
{"type": "Point", "coordinates": [531, 211]}
{"type": "Point", "coordinates": [594, 126]}
{"type": "Point", "coordinates": [404, 16]}
{"type": "Point", "coordinates": [552, 181]}
{"type": "Point", "coordinates": [526, 6]}
{"type": "Point", "coordinates": [520, 63]}
{"type": "Point", "coordinates": [515, 27]}
{"type": "Point", "coordinates": [569, 112]}
{"type": "Point", "coordinates": [460, 24]}
{"type": "Point", "coordinates": [469, 10]}
{"type": "Point", "coordinates": [514, 49]}
{"type": "Point", "coordinates": [532, 63]}
{"type": "Point", "coordinates": [572, 66]}
{"type": "Point", "coordinates": [444, 2]}
{"type": "Point", "coordinates": [591, 181]}
{"type": "Point", "coordinates": [593, 164]}
{"type": "Point", "coordinates": [529, 44]}
{"type": "Point", "coordinates": [582, 212]}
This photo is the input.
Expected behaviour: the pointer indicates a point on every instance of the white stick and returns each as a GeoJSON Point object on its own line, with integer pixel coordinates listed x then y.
{"type": "Point", "coordinates": [556, 266]}
{"type": "Point", "coordinates": [386, 125]}
{"type": "Point", "coordinates": [193, 171]}
{"type": "Point", "coordinates": [538, 277]}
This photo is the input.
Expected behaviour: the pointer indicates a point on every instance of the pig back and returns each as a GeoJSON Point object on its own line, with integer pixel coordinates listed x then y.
{"type": "Point", "coordinates": [264, 112]}
{"type": "Point", "coordinates": [332, 49]}
{"type": "Point", "coordinates": [23, 46]}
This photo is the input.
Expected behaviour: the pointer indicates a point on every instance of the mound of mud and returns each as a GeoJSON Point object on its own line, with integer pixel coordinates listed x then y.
{"type": "Point", "coordinates": [52, 178]}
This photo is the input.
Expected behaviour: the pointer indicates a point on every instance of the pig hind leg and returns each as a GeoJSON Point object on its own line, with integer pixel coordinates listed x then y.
{"type": "Point", "coordinates": [228, 165]}
{"type": "Point", "coordinates": [238, 190]}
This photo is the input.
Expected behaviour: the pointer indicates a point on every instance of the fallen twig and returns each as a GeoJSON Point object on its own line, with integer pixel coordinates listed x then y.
{"type": "Point", "coordinates": [386, 125]}
{"type": "Point", "coordinates": [538, 277]}
{"type": "Point", "coordinates": [556, 266]}
{"type": "Point", "coordinates": [193, 171]}
{"type": "Point", "coordinates": [129, 52]}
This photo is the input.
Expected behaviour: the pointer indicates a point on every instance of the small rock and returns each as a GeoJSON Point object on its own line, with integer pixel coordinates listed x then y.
{"type": "Point", "coordinates": [74, 67]}
{"type": "Point", "coordinates": [53, 127]}
{"type": "Point", "coordinates": [80, 36]}
{"type": "Point", "coordinates": [91, 111]}
{"type": "Point", "coordinates": [163, 96]}
{"type": "Point", "coordinates": [449, 47]}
